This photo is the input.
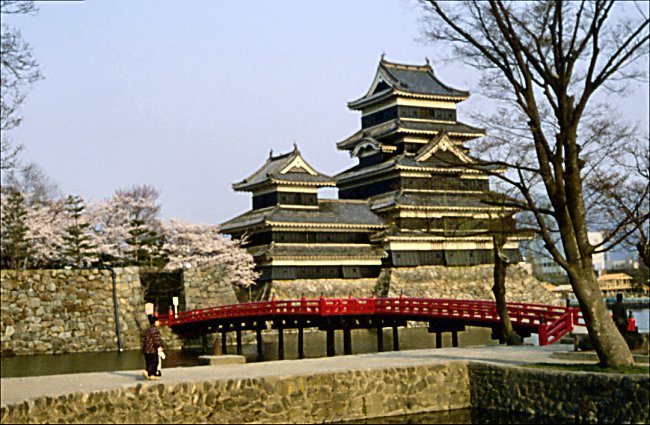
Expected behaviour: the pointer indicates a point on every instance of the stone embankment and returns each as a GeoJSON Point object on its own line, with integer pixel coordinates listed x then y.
{"type": "Point", "coordinates": [72, 311]}
{"type": "Point", "coordinates": [335, 389]}
{"type": "Point", "coordinates": [60, 311]}
{"type": "Point", "coordinates": [69, 311]}
{"type": "Point", "coordinates": [467, 283]}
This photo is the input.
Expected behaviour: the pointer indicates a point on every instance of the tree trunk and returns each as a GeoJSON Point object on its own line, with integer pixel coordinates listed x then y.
{"type": "Point", "coordinates": [643, 248]}
{"type": "Point", "coordinates": [608, 342]}
{"type": "Point", "coordinates": [501, 263]}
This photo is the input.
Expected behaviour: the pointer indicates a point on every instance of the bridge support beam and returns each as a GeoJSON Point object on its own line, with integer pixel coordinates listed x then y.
{"type": "Point", "coordinates": [395, 338]}
{"type": "Point", "coordinates": [347, 341]}
{"type": "Point", "coordinates": [239, 350]}
{"type": "Point", "coordinates": [301, 343]}
{"type": "Point", "coordinates": [260, 349]}
{"type": "Point", "coordinates": [331, 349]}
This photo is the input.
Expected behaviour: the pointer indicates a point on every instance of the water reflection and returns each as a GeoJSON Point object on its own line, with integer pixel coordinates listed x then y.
{"type": "Point", "coordinates": [55, 364]}
{"type": "Point", "coordinates": [363, 341]}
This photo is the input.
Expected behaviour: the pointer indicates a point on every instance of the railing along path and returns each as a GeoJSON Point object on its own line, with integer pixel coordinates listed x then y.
{"type": "Point", "coordinates": [550, 322]}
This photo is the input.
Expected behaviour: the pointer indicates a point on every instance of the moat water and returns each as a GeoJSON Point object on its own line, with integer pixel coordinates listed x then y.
{"type": "Point", "coordinates": [465, 416]}
{"type": "Point", "coordinates": [363, 341]}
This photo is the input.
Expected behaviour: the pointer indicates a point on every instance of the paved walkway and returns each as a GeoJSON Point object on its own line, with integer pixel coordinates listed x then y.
{"type": "Point", "coordinates": [15, 390]}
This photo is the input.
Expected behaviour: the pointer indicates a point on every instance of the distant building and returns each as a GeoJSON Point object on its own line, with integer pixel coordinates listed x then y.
{"type": "Point", "coordinates": [545, 268]}
{"type": "Point", "coordinates": [612, 284]}
{"type": "Point", "coordinates": [414, 197]}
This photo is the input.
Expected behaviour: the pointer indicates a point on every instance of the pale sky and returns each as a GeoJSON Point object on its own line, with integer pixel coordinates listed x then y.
{"type": "Point", "coordinates": [190, 96]}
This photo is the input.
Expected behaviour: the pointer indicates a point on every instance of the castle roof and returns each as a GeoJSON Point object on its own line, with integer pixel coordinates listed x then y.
{"type": "Point", "coordinates": [289, 168]}
{"type": "Point", "coordinates": [331, 213]}
{"type": "Point", "coordinates": [456, 129]}
{"type": "Point", "coordinates": [443, 201]}
{"type": "Point", "coordinates": [409, 162]}
{"type": "Point", "coordinates": [409, 81]}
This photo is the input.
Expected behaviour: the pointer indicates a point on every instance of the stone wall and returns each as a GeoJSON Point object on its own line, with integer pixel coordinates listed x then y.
{"type": "Point", "coordinates": [569, 397]}
{"type": "Point", "coordinates": [336, 396]}
{"type": "Point", "coordinates": [60, 311]}
{"type": "Point", "coordinates": [325, 397]}
{"type": "Point", "coordinates": [207, 288]}
{"type": "Point", "coordinates": [468, 283]}
{"type": "Point", "coordinates": [71, 311]}
{"type": "Point", "coordinates": [313, 288]}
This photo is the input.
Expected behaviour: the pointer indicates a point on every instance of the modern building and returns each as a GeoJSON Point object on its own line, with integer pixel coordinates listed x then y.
{"type": "Point", "coordinates": [415, 196]}
{"type": "Point", "coordinates": [545, 268]}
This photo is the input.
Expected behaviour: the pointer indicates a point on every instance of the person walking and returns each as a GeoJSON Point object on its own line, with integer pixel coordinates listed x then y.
{"type": "Point", "coordinates": [620, 314]}
{"type": "Point", "coordinates": [151, 342]}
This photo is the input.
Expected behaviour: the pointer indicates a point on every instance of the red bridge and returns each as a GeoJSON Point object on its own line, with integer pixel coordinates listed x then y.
{"type": "Point", "coordinates": [330, 314]}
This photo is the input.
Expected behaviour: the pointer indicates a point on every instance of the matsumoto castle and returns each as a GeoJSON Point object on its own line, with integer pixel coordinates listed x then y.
{"type": "Point", "coordinates": [413, 198]}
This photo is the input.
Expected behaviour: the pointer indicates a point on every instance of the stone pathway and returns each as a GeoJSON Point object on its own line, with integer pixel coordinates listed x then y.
{"type": "Point", "coordinates": [16, 390]}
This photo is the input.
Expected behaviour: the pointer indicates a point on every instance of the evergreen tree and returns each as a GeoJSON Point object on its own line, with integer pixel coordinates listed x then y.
{"type": "Point", "coordinates": [13, 230]}
{"type": "Point", "coordinates": [145, 243]}
{"type": "Point", "coordinates": [77, 241]}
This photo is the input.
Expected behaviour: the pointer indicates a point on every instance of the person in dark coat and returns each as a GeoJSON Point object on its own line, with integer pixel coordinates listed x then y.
{"type": "Point", "coordinates": [151, 342]}
{"type": "Point", "coordinates": [619, 314]}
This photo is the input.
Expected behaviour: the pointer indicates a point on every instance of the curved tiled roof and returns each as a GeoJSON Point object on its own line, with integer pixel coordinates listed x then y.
{"type": "Point", "coordinates": [405, 126]}
{"type": "Point", "coordinates": [408, 79]}
{"type": "Point", "coordinates": [469, 200]}
{"type": "Point", "coordinates": [272, 170]}
{"type": "Point", "coordinates": [334, 213]}
{"type": "Point", "coordinates": [403, 160]}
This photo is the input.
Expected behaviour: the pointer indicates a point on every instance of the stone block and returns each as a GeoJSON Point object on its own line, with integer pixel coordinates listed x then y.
{"type": "Point", "coordinates": [221, 360]}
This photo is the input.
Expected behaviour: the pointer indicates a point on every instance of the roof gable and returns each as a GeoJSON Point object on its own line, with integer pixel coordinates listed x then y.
{"type": "Point", "coordinates": [298, 165]}
{"type": "Point", "coordinates": [440, 147]}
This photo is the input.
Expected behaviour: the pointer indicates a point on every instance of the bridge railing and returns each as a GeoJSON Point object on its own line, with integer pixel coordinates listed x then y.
{"type": "Point", "coordinates": [552, 322]}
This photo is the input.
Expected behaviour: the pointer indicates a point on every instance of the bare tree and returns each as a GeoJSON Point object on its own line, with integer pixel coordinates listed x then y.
{"type": "Point", "coordinates": [18, 71]}
{"type": "Point", "coordinates": [621, 197]}
{"type": "Point", "coordinates": [544, 62]}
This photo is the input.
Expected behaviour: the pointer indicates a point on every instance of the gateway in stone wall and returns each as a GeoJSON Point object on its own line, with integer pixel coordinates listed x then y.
{"type": "Point", "coordinates": [415, 196]}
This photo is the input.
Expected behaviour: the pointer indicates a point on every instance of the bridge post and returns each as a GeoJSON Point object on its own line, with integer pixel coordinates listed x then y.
{"type": "Point", "coordinates": [301, 343]}
{"type": "Point", "coordinates": [239, 350]}
{"type": "Point", "coordinates": [438, 339]}
{"type": "Point", "coordinates": [395, 338]}
{"type": "Point", "coordinates": [280, 342]}
{"type": "Point", "coordinates": [224, 347]}
{"type": "Point", "coordinates": [204, 343]}
{"type": "Point", "coordinates": [543, 331]}
{"type": "Point", "coordinates": [260, 350]}
{"type": "Point", "coordinates": [331, 349]}
{"type": "Point", "coordinates": [347, 341]}
{"type": "Point", "coordinates": [380, 338]}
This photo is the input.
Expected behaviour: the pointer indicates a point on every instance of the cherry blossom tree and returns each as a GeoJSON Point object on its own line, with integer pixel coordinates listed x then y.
{"type": "Point", "coordinates": [127, 227]}
{"type": "Point", "coordinates": [202, 246]}
{"type": "Point", "coordinates": [46, 224]}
